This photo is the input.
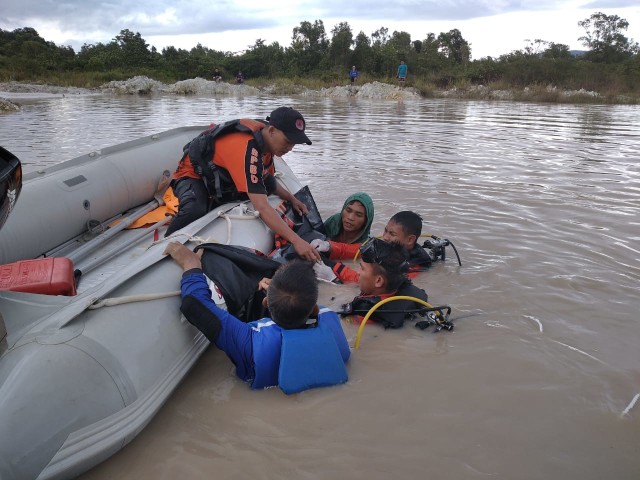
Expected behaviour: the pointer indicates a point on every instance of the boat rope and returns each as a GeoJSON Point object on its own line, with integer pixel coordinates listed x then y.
{"type": "Point", "coordinates": [110, 302]}
{"type": "Point", "coordinates": [228, 217]}
{"type": "Point", "coordinates": [245, 215]}
{"type": "Point", "coordinates": [142, 297]}
{"type": "Point", "coordinates": [441, 319]}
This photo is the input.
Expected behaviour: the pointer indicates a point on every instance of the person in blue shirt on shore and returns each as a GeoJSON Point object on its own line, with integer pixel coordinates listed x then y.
{"type": "Point", "coordinates": [401, 74]}
{"type": "Point", "coordinates": [301, 346]}
{"type": "Point", "coordinates": [353, 74]}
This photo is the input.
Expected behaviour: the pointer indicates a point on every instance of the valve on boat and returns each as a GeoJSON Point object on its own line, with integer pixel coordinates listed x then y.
{"type": "Point", "coordinates": [10, 183]}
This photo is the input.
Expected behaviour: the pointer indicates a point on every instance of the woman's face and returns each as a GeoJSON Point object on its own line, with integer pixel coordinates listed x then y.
{"type": "Point", "coordinates": [354, 217]}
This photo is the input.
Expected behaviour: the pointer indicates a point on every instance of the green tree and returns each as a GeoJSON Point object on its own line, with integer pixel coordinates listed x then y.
{"type": "Point", "coordinates": [309, 47]}
{"type": "Point", "coordinates": [429, 59]}
{"type": "Point", "coordinates": [557, 51]}
{"type": "Point", "coordinates": [362, 52]}
{"type": "Point", "coordinates": [604, 37]}
{"type": "Point", "coordinates": [383, 52]}
{"type": "Point", "coordinates": [401, 43]}
{"type": "Point", "coordinates": [100, 57]}
{"type": "Point", "coordinates": [340, 48]}
{"type": "Point", "coordinates": [175, 62]}
{"type": "Point", "coordinates": [134, 50]}
{"type": "Point", "coordinates": [262, 60]}
{"type": "Point", "coordinates": [454, 47]}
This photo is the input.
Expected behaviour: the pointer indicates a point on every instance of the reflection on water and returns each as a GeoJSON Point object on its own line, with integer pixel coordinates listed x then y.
{"type": "Point", "coordinates": [542, 201]}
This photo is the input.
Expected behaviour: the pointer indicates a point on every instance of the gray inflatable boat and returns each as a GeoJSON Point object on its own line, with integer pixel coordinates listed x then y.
{"type": "Point", "coordinates": [82, 374]}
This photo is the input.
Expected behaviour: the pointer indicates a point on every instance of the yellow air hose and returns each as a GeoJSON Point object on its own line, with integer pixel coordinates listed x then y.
{"type": "Point", "coordinates": [382, 302]}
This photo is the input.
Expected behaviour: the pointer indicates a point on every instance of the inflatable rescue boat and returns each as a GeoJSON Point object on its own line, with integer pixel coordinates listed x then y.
{"type": "Point", "coordinates": [92, 342]}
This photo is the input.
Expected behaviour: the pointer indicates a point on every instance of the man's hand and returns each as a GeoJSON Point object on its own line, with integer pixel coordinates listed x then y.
{"type": "Point", "coordinates": [321, 245]}
{"type": "Point", "coordinates": [183, 256]}
{"type": "Point", "coordinates": [264, 284]}
{"type": "Point", "coordinates": [299, 207]}
{"type": "Point", "coordinates": [306, 251]}
{"type": "Point", "coordinates": [272, 219]}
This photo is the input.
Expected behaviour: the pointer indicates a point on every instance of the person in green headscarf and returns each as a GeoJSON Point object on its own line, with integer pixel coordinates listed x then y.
{"type": "Point", "coordinates": [347, 229]}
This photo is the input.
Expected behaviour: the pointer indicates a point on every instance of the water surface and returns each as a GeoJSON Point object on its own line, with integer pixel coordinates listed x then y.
{"type": "Point", "coordinates": [543, 204]}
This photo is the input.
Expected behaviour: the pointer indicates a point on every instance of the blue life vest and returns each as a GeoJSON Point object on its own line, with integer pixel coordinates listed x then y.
{"type": "Point", "coordinates": [300, 359]}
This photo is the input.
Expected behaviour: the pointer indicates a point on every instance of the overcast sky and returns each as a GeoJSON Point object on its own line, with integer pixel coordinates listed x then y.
{"type": "Point", "coordinates": [492, 27]}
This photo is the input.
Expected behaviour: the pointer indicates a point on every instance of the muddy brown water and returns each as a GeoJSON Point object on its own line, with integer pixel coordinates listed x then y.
{"type": "Point", "coordinates": [538, 378]}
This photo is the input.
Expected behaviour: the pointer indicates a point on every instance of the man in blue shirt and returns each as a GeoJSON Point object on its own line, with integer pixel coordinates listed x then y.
{"type": "Point", "coordinates": [353, 74]}
{"type": "Point", "coordinates": [258, 349]}
{"type": "Point", "coordinates": [401, 74]}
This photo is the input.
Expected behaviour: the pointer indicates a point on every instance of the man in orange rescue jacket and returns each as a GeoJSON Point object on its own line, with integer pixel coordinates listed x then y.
{"type": "Point", "coordinates": [243, 160]}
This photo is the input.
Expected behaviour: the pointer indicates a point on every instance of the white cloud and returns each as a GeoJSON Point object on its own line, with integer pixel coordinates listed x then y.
{"type": "Point", "coordinates": [493, 27]}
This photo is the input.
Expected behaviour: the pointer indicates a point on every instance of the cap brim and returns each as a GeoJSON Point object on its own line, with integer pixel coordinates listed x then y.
{"type": "Point", "coordinates": [297, 137]}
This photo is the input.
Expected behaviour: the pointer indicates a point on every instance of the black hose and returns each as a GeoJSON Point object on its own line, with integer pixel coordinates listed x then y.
{"type": "Point", "coordinates": [455, 250]}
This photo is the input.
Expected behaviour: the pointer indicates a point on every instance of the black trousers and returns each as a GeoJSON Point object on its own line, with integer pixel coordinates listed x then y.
{"type": "Point", "coordinates": [193, 201]}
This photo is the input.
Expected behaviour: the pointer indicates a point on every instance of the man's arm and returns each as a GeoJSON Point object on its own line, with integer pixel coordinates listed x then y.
{"type": "Point", "coordinates": [271, 218]}
{"type": "Point", "coordinates": [220, 327]}
{"type": "Point", "coordinates": [340, 251]}
{"type": "Point", "coordinates": [344, 273]}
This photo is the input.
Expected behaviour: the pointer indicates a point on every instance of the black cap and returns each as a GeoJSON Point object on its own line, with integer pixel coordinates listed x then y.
{"type": "Point", "coordinates": [291, 123]}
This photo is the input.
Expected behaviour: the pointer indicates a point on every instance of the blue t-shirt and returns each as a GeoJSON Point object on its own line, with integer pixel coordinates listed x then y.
{"type": "Point", "coordinates": [402, 70]}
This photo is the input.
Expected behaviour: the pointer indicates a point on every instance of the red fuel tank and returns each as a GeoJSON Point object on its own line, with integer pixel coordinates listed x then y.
{"type": "Point", "coordinates": [47, 276]}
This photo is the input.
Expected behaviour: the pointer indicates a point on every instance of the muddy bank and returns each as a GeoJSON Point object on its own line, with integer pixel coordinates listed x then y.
{"type": "Point", "coordinates": [200, 86]}
{"type": "Point", "coordinates": [13, 93]}
{"type": "Point", "coordinates": [141, 85]}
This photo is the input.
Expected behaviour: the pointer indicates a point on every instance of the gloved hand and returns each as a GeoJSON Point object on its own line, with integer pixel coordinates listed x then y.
{"type": "Point", "coordinates": [324, 272]}
{"type": "Point", "coordinates": [321, 245]}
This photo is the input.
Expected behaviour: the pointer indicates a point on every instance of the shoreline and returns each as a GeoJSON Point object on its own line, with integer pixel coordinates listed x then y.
{"type": "Point", "coordinates": [14, 93]}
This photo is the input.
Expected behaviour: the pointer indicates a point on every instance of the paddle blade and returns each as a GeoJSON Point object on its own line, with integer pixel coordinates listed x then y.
{"type": "Point", "coordinates": [10, 183]}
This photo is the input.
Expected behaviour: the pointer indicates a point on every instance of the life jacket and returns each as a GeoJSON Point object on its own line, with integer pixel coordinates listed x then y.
{"type": "Point", "coordinates": [392, 314]}
{"type": "Point", "coordinates": [299, 359]}
{"type": "Point", "coordinates": [237, 271]}
{"type": "Point", "coordinates": [202, 149]}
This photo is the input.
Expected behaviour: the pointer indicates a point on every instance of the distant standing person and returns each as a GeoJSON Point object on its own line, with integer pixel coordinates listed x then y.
{"type": "Point", "coordinates": [239, 77]}
{"type": "Point", "coordinates": [401, 74]}
{"type": "Point", "coordinates": [353, 74]}
{"type": "Point", "coordinates": [217, 77]}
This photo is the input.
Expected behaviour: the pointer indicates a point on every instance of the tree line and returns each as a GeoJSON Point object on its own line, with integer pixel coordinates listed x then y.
{"type": "Point", "coordinates": [611, 60]}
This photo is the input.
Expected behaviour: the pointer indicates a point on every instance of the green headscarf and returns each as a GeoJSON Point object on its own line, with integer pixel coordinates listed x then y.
{"type": "Point", "coordinates": [333, 224]}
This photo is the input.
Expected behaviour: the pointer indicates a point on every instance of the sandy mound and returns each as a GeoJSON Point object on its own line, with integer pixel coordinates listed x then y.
{"type": "Point", "coordinates": [376, 90]}
{"type": "Point", "coordinates": [8, 106]}
{"type": "Point", "coordinates": [200, 86]}
{"type": "Point", "coordinates": [141, 85]}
